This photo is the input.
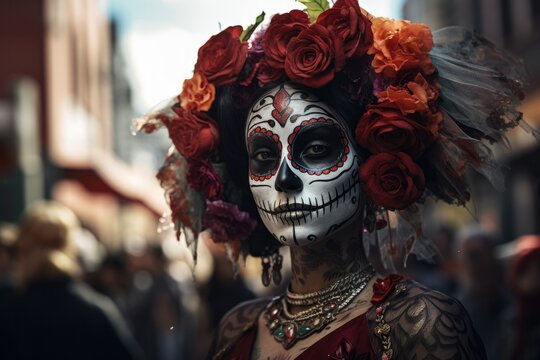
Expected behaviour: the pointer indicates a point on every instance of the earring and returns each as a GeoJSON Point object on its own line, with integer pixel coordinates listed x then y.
{"type": "Point", "coordinates": [276, 268]}
{"type": "Point", "coordinates": [265, 276]}
{"type": "Point", "coordinates": [271, 259]}
{"type": "Point", "coordinates": [372, 219]}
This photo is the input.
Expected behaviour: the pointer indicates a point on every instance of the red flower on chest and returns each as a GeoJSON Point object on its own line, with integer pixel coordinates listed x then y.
{"type": "Point", "coordinates": [382, 288]}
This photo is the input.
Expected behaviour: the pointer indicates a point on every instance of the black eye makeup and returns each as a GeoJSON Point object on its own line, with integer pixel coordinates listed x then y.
{"type": "Point", "coordinates": [264, 150]}
{"type": "Point", "coordinates": [318, 146]}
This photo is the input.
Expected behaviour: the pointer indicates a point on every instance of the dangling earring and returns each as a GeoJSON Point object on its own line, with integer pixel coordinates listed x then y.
{"type": "Point", "coordinates": [372, 219]}
{"type": "Point", "coordinates": [276, 268]}
{"type": "Point", "coordinates": [265, 276]}
{"type": "Point", "coordinates": [271, 259]}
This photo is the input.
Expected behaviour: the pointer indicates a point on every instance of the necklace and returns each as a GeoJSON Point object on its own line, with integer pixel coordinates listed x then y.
{"type": "Point", "coordinates": [323, 306]}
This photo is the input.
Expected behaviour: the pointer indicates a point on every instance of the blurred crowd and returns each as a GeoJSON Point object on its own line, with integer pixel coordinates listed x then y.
{"type": "Point", "coordinates": [54, 305]}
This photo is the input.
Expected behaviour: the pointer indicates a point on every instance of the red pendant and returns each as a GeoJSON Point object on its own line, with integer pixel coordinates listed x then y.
{"type": "Point", "coordinates": [290, 334]}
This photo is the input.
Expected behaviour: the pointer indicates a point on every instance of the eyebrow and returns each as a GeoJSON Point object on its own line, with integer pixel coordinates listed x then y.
{"type": "Point", "coordinates": [253, 118]}
{"type": "Point", "coordinates": [270, 122]}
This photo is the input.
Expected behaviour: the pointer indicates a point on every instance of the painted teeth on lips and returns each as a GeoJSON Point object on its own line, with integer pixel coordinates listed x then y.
{"type": "Point", "coordinates": [294, 207]}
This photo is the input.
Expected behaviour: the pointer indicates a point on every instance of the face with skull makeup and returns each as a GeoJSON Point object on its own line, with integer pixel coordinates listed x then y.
{"type": "Point", "coordinates": [303, 167]}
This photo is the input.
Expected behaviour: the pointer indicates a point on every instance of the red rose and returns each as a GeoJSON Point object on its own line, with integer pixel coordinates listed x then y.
{"type": "Point", "coordinates": [347, 21]}
{"type": "Point", "coordinates": [222, 57]}
{"type": "Point", "coordinates": [267, 74]}
{"type": "Point", "coordinates": [281, 30]}
{"type": "Point", "coordinates": [202, 177]}
{"type": "Point", "coordinates": [392, 181]}
{"type": "Point", "coordinates": [194, 134]}
{"type": "Point", "coordinates": [387, 130]}
{"type": "Point", "coordinates": [383, 287]}
{"type": "Point", "coordinates": [314, 56]}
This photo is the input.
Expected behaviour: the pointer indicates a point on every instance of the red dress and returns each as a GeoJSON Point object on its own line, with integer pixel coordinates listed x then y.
{"type": "Point", "coordinates": [442, 329]}
{"type": "Point", "coordinates": [348, 342]}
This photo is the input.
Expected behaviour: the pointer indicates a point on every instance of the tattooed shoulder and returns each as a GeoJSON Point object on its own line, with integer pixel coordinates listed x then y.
{"type": "Point", "coordinates": [234, 323]}
{"type": "Point", "coordinates": [426, 324]}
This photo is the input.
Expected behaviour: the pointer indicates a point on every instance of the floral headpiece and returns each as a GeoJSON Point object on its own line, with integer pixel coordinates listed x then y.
{"type": "Point", "coordinates": [436, 99]}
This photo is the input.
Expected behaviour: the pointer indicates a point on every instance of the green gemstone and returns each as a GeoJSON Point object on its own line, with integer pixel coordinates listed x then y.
{"type": "Point", "coordinates": [304, 329]}
{"type": "Point", "coordinates": [279, 332]}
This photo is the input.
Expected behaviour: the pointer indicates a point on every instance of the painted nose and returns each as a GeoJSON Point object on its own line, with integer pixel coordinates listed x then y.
{"type": "Point", "coordinates": [286, 180]}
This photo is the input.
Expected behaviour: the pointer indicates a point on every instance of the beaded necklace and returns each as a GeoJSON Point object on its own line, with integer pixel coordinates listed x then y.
{"type": "Point", "coordinates": [324, 306]}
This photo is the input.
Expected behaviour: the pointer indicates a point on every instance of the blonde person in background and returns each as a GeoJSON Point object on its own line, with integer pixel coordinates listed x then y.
{"type": "Point", "coordinates": [51, 313]}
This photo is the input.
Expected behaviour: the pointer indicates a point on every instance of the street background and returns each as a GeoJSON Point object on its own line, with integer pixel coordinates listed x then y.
{"type": "Point", "coordinates": [73, 75]}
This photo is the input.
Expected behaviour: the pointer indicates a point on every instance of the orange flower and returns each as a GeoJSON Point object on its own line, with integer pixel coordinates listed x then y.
{"type": "Point", "coordinates": [197, 93]}
{"type": "Point", "coordinates": [417, 95]}
{"type": "Point", "coordinates": [399, 45]}
{"type": "Point", "coordinates": [403, 99]}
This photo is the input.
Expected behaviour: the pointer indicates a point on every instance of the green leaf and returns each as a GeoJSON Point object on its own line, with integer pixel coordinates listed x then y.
{"type": "Point", "coordinates": [315, 7]}
{"type": "Point", "coordinates": [246, 34]}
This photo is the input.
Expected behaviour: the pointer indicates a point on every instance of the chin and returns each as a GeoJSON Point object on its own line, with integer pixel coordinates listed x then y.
{"type": "Point", "coordinates": [302, 228]}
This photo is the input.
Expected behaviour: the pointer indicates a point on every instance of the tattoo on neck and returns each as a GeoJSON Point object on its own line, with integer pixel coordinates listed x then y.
{"type": "Point", "coordinates": [337, 257]}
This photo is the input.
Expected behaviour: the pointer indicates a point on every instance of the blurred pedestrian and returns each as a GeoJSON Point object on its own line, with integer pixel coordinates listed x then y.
{"type": "Point", "coordinates": [162, 324]}
{"type": "Point", "coordinates": [112, 279]}
{"type": "Point", "coordinates": [481, 285]}
{"type": "Point", "coordinates": [52, 314]}
{"type": "Point", "coordinates": [521, 340]}
{"type": "Point", "coordinates": [224, 290]}
{"type": "Point", "coordinates": [8, 236]}
{"type": "Point", "coordinates": [439, 275]}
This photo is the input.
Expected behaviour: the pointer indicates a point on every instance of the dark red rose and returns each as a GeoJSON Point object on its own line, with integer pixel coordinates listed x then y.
{"type": "Point", "coordinates": [314, 56]}
{"type": "Point", "coordinates": [227, 223]}
{"type": "Point", "coordinates": [387, 130]}
{"type": "Point", "coordinates": [281, 30]}
{"type": "Point", "coordinates": [222, 57]}
{"type": "Point", "coordinates": [393, 181]}
{"type": "Point", "coordinates": [194, 134]}
{"type": "Point", "coordinates": [267, 74]}
{"type": "Point", "coordinates": [202, 177]}
{"type": "Point", "coordinates": [347, 21]}
{"type": "Point", "coordinates": [383, 287]}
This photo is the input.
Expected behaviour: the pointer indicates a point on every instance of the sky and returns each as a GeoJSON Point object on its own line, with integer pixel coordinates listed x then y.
{"type": "Point", "coordinates": [160, 38]}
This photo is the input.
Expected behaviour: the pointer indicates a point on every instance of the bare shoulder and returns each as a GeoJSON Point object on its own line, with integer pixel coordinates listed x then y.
{"type": "Point", "coordinates": [426, 324]}
{"type": "Point", "coordinates": [234, 323]}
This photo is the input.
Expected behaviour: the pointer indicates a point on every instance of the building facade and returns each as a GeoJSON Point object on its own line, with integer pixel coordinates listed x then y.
{"type": "Point", "coordinates": [57, 117]}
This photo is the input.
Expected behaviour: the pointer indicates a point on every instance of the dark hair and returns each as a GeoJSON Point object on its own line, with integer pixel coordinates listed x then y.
{"type": "Point", "coordinates": [349, 94]}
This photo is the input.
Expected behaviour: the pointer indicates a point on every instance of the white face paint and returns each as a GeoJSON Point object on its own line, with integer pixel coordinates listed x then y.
{"type": "Point", "coordinates": [303, 167]}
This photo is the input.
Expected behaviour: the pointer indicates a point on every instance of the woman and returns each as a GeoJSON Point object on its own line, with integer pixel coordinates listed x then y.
{"type": "Point", "coordinates": [330, 128]}
{"type": "Point", "coordinates": [320, 217]}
